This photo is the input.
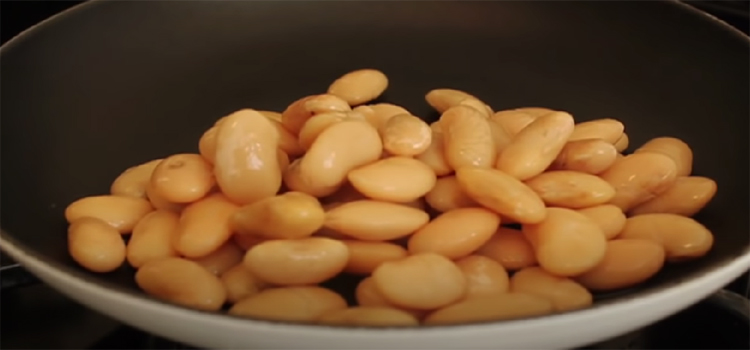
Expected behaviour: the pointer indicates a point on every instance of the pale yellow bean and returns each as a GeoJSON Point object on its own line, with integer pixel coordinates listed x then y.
{"type": "Point", "coordinates": [366, 220]}
{"type": "Point", "coordinates": [246, 165]}
{"type": "Point", "coordinates": [299, 111]}
{"type": "Point", "coordinates": [567, 243]}
{"type": "Point", "coordinates": [283, 160]}
{"type": "Point", "coordinates": [564, 293]}
{"type": "Point", "coordinates": [371, 316]}
{"type": "Point", "coordinates": [183, 178]}
{"type": "Point", "coordinates": [378, 114]}
{"type": "Point", "coordinates": [686, 197]}
{"type": "Point", "coordinates": [480, 106]}
{"type": "Point", "coordinates": [288, 215]}
{"type": "Point", "coordinates": [447, 195]}
{"type": "Point", "coordinates": [510, 248]}
{"type": "Point", "coordinates": [674, 148]}
{"type": "Point", "coordinates": [367, 294]}
{"type": "Point", "coordinates": [609, 130]}
{"type": "Point", "coordinates": [204, 226]}
{"type": "Point", "coordinates": [301, 304]}
{"type": "Point", "coordinates": [287, 141]}
{"type": "Point", "coordinates": [443, 99]}
{"type": "Point", "coordinates": [622, 143]}
{"type": "Point", "coordinates": [639, 178]}
{"type": "Point", "coordinates": [271, 115]}
{"type": "Point", "coordinates": [500, 137]}
{"type": "Point", "coordinates": [571, 189]}
{"type": "Point", "coordinates": [504, 306]}
{"type": "Point", "coordinates": [240, 283]}
{"type": "Point", "coordinates": [359, 86]}
{"type": "Point", "coordinates": [152, 238]}
{"type": "Point", "coordinates": [95, 245]}
{"type": "Point", "coordinates": [608, 217]}
{"type": "Point", "coordinates": [502, 193]}
{"type": "Point", "coordinates": [440, 281]}
{"type": "Point", "coordinates": [120, 212]}
{"type": "Point", "coordinates": [405, 135]}
{"type": "Point", "coordinates": [484, 276]}
{"type": "Point", "coordinates": [467, 138]}
{"type": "Point", "coordinates": [162, 204]}
{"type": "Point", "coordinates": [294, 180]}
{"type": "Point", "coordinates": [628, 262]}
{"type": "Point", "coordinates": [365, 257]}
{"type": "Point", "coordinates": [535, 111]}
{"type": "Point", "coordinates": [133, 181]}
{"type": "Point", "coordinates": [246, 241]}
{"type": "Point", "coordinates": [535, 147]}
{"type": "Point", "coordinates": [347, 193]}
{"type": "Point", "coordinates": [221, 259]}
{"type": "Point", "coordinates": [316, 124]}
{"type": "Point", "coordinates": [587, 156]}
{"type": "Point", "coordinates": [297, 261]}
{"type": "Point", "coordinates": [683, 238]}
{"type": "Point", "coordinates": [393, 179]}
{"type": "Point", "coordinates": [513, 121]}
{"type": "Point", "coordinates": [456, 233]}
{"type": "Point", "coordinates": [182, 282]}
{"type": "Point", "coordinates": [434, 155]}
{"type": "Point", "coordinates": [207, 144]}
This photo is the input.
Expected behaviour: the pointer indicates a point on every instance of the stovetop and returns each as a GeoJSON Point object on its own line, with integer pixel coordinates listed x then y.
{"type": "Point", "coordinates": [30, 308]}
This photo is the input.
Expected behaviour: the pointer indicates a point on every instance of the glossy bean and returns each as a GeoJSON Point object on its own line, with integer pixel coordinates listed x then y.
{"type": "Point", "coordinates": [443, 99]}
{"type": "Point", "coordinates": [204, 226]}
{"type": "Point", "coordinates": [628, 262]}
{"type": "Point", "coordinates": [95, 245]}
{"type": "Point", "coordinates": [564, 293]}
{"type": "Point", "coordinates": [316, 124]}
{"type": "Point", "coordinates": [182, 282]}
{"type": "Point", "coordinates": [513, 121]}
{"type": "Point", "coordinates": [608, 217]}
{"type": "Point", "coordinates": [587, 156]}
{"type": "Point", "coordinates": [301, 304]}
{"type": "Point", "coordinates": [133, 181]}
{"type": "Point", "coordinates": [456, 233]}
{"type": "Point", "coordinates": [683, 238]}
{"type": "Point", "coordinates": [271, 115]}
{"type": "Point", "coordinates": [571, 189]}
{"type": "Point", "coordinates": [378, 114]}
{"type": "Point", "coordinates": [484, 276]}
{"type": "Point", "coordinates": [504, 306]}
{"type": "Point", "coordinates": [160, 203]}
{"type": "Point", "coordinates": [152, 238]}
{"type": "Point", "coordinates": [285, 216]}
{"type": "Point", "coordinates": [434, 155]}
{"type": "Point", "coordinates": [359, 86]}
{"type": "Point", "coordinates": [510, 248]}
{"type": "Point", "coordinates": [371, 316]}
{"type": "Point", "coordinates": [686, 197]}
{"type": "Point", "coordinates": [639, 178]}
{"type": "Point", "coordinates": [221, 259]}
{"type": "Point", "coordinates": [183, 178]}
{"type": "Point", "coordinates": [240, 283]}
{"type": "Point", "coordinates": [609, 130]}
{"type": "Point", "coordinates": [367, 294]}
{"type": "Point", "coordinates": [447, 195]}
{"type": "Point", "coordinates": [480, 106]}
{"type": "Point", "coordinates": [622, 143]}
{"type": "Point", "coordinates": [288, 142]}
{"type": "Point", "coordinates": [394, 179]}
{"type": "Point", "coordinates": [365, 257]}
{"type": "Point", "coordinates": [675, 149]}
{"type": "Point", "coordinates": [467, 138]}
{"type": "Point", "coordinates": [120, 212]}
{"type": "Point", "coordinates": [297, 261]}
{"type": "Point", "coordinates": [405, 135]}
{"type": "Point", "coordinates": [364, 220]}
{"type": "Point", "coordinates": [299, 111]}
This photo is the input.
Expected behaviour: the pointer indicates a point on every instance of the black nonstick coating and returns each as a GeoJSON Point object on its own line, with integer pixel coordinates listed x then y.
{"type": "Point", "coordinates": [112, 84]}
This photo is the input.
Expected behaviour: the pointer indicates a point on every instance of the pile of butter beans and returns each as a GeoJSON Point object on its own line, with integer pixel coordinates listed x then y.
{"type": "Point", "coordinates": [478, 216]}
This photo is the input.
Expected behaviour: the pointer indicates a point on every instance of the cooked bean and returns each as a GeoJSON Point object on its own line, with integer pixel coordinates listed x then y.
{"type": "Point", "coordinates": [245, 241]}
{"type": "Point", "coordinates": [510, 248]}
{"type": "Point", "coordinates": [500, 137]}
{"type": "Point", "coordinates": [120, 212]}
{"type": "Point", "coordinates": [564, 293]}
{"type": "Point", "coordinates": [152, 238]}
{"type": "Point", "coordinates": [297, 261]}
{"type": "Point", "coordinates": [183, 178]}
{"type": "Point", "coordinates": [622, 143]}
{"type": "Point", "coordinates": [288, 142]}
{"type": "Point", "coordinates": [639, 178]}
{"type": "Point", "coordinates": [271, 115]}
{"type": "Point", "coordinates": [587, 156]}
{"type": "Point", "coordinates": [378, 114]}
{"type": "Point", "coordinates": [367, 294]}
{"type": "Point", "coordinates": [181, 282]}
{"type": "Point", "coordinates": [221, 259]}
{"type": "Point", "coordinates": [535, 147]}
{"type": "Point", "coordinates": [372, 316]}
{"type": "Point", "coordinates": [347, 193]}
{"type": "Point", "coordinates": [364, 220]}
{"type": "Point", "coordinates": [440, 281]}
{"type": "Point", "coordinates": [571, 189]}
{"type": "Point", "coordinates": [502, 193]}
{"type": "Point", "coordinates": [491, 308]}
{"type": "Point", "coordinates": [133, 181]}
{"type": "Point", "coordinates": [674, 148]}
{"type": "Point", "coordinates": [283, 160]}
{"type": "Point", "coordinates": [513, 121]}
{"type": "Point", "coordinates": [443, 99]}
{"type": "Point", "coordinates": [447, 195]}
{"type": "Point", "coordinates": [608, 217]}
{"type": "Point", "coordinates": [365, 257]}
{"type": "Point", "coordinates": [686, 197]}
{"type": "Point", "coordinates": [484, 276]}
{"type": "Point", "coordinates": [434, 155]}
{"type": "Point", "coordinates": [394, 179]}
{"type": "Point", "coordinates": [467, 138]}
{"type": "Point", "coordinates": [683, 238]}
{"type": "Point", "coordinates": [480, 106]}
{"type": "Point", "coordinates": [297, 113]}
{"type": "Point", "coordinates": [162, 204]}
{"type": "Point", "coordinates": [316, 124]}
{"type": "Point", "coordinates": [204, 226]}
{"type": "Point", "coordinates": [288, 215]}
{"type": "Point", "coordinates": [95, 245]}
{"type": "Point", "coordinates": [567, 243]}
{"type": "Point", "coordinates": [628, 262]}
{"type": "Point", "coordinates": [240, 283]}
{"type": "Point", "coordinates": [609, 130]}
{"type": "Point", "coordinates": [359, 86]}
{"type": "Point", "coordinates": [295, 181]}
{"type": "Point", "coordinates": [456, 233]}
{"type": "Point", "coordinates": [405, 135]}
{"type": "Point", "coordinates": [300, 304]}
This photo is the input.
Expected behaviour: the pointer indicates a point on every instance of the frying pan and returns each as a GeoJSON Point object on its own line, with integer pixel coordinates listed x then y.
{"type": "Point", "coordinates": [107, 85]}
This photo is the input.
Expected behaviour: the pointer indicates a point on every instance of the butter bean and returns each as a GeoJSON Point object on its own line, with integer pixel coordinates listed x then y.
{"type": "Point", "coordinates": [240, 283]}
{"type": "Point", "coordinates": [365, 257]}
{"type": "Point", "coordinates": [502, 193]}
{"type": "Point", "coordinates": [271, 115]}
{"type": "Point", "coordinates": [221, 259]}
{"type": "Point", "coordinates": [378, 114]}
{"type": "Point", "coordinates": [246, 165]}
{"type": "Point", "coordinates": [443, 99]}
{"type": "Point", "coordinates": [513, 121]}
{"type": "Point", "coordinates": [371, 316]}
{"type": "Point", "coordinates": [608, 217]}
{"type": "Point", "coordinates": [564, 293]}
{"type": "Point", "coordinates": [364, 220]}
{"type": "Point", "coordinates": [405, 135]}
{"type": "Point", "coordinates": [447, 195]}
{"type": "Point", "coordinates": [182, 282]}
{"type": "Point", "coordinates": [622, 143]}
{"type": "Point", "coordinates": [133, 181]}
{"type": "Point", "coordinates": [480, 106]}
{"type": "Point", "coordinates": [467, 138]}
{"type": "Point", "coordinates": [504, 306]}
{"type": "Point", "coordinates": [288, 142]}
{"type": "Point", "coordinates": [434, 155]}
{"type": "Point", "coordinates": [297, 113]}
{"type": "Point", "coordinates": [674, 148]}
{"type": "Point", "coordinates": [609, 130]}
{"type": "Point", "coordinates": [183, 178]}
{"type": "Point", "coordinates": [394, 179]}
{"type": "Point", "coordinates": [510, 248]}
{"type": "Point", "coordinates": [246, 241]}
{"type": "Point", "coordinates": [440, 281]}
{"type": "Point", "coordinates": [571, 189]}
{"type": "Point", "coordinates": [567, 243]}
{"type": "Point", "coordinates": [288, 215]}
{"type": "Point", "coordinates": [368, 295]}
{"type": "Point", "coordinates": [683, 238]}
{"type": "Point", "coordinates": [302, 304]}
{"type": "Point", "coordinates": [456, 233]}
{"type": "Point", "coordinates": [316, 124]}
{"type": "Point", "coordinates": [639, 178]}
{"type": "Point", "coordinates": [298, 261]}
{"type": "Point", "coordinates": [591, 156]}
{"type": "Point", "coordinates": [160, 203]}
{"type": "Point", "coordinates": [500, 137]}
{"type": "Point", "coordinates": [535, 147]}
{"type": "Point", "coordinates": [152, 238]}
{"type": "Point", "coordinates": [484, 276]}
{"type": "Point", "coordinates": [207, 144]}
{"type": "Point", "coordinates": [95, 245]}
{"type": "Point", "coordinates": [122, 213]}
{"type": "Point", "coordinates": [347, 193]}
{"type": "Point", "coordinates": [204, 226]}
{"type": "Point", "coordinates": [628, 262]}
{"type": "Point", "coordinates": [295, 180]}
{"type": "Point", "coordinates": [359, 86]}
{"type": "Point", "coordinates": [686, 197]}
